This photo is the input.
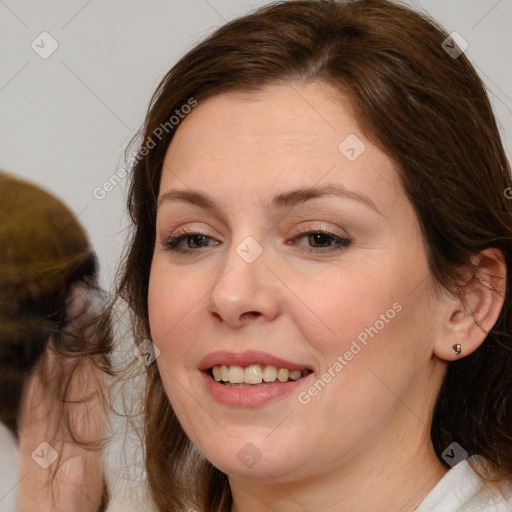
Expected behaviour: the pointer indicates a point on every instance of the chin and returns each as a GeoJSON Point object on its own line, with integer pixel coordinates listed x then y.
{"type": "Point", "coordinates": [259, 460]}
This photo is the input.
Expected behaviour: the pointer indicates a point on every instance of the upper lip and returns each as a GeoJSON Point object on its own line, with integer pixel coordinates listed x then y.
{"type": "Point", "coordinates": [247, 358]}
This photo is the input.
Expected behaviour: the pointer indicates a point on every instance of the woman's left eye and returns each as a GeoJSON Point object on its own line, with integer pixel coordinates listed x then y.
{"type": "Point", "coordinates": [323, 241]}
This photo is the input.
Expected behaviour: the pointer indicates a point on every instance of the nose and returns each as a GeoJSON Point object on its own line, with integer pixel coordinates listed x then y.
{"type": "Point", "coordinates": [244, 291]}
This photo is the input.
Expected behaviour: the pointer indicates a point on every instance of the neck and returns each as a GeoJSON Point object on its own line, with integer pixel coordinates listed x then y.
{"type": "Point", "coordinates": [396, 482]}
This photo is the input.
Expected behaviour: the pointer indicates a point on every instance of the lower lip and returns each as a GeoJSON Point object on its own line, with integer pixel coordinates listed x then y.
{"type": "Point", "coordinates": [250, 396]}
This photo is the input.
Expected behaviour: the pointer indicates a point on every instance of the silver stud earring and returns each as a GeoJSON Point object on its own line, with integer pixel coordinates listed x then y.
{"type": "Point", "coordinates": [457, 348]}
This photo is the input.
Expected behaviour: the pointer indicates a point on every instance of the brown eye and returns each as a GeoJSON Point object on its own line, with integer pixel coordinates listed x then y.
{"type": "Point", "coordinates": [320, 239]}
{"type": "Point", "coordinates": [197, 241]}
{"type": "Point", "coordinates": [192, 241]}
{"type": "Point", "coordinates": [323, 241]}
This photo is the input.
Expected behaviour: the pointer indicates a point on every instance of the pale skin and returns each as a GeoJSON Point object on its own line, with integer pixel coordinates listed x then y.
{"type": "Point", "coordinates": [363, 442]}
{"type": "Point", "coordinates": [73, 482]}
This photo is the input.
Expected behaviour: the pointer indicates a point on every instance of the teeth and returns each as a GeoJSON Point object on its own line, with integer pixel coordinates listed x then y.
{"type": "Point", "coordinates": [236, 374]}
{"type": "Point", "coordinates": [283, 374]}
{"type": "Point", "coordinates": [255, 374]}
{"type": "Point", "coordinates": [270, 373]}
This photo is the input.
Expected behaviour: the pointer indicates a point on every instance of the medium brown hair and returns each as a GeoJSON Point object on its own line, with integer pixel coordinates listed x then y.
{"type": "Point", "coordinates": [425, 109]}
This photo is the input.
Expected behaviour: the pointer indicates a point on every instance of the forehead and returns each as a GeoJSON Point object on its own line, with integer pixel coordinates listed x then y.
{"type": "Point", "coordinates": [277, 137]}
{"type": "Point", "coordinates": [269, 122]}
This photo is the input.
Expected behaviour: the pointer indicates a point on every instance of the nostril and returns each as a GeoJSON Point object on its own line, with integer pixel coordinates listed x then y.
{"type": "Point", "coordinates": [251, 314]}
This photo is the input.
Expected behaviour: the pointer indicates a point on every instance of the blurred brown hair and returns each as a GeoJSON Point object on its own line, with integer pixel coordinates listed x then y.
{"type": "Point", "coordinates": [430, 113]}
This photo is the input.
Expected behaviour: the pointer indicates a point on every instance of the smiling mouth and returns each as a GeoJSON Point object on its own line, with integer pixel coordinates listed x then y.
{"type": "Point", "coordinates": [254, 375]}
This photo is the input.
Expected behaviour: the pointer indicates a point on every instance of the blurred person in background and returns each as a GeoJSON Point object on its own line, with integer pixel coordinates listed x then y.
{"type": "Point", "coordinates": [54, 356]}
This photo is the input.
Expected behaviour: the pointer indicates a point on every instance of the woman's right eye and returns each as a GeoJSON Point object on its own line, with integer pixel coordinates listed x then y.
{"type": "Point", "coordinates": [192, 241]}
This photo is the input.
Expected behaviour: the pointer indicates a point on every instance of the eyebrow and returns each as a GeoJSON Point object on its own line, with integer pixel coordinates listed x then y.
{"type": "Point", "coordinates": [283, 200]}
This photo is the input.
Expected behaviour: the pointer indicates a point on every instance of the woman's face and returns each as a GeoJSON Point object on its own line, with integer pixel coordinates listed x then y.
{"type": "Point", "coordinates": [303, 258]}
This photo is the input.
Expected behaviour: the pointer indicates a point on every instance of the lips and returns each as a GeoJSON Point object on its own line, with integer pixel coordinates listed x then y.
{"type": "Point", "coordinates": [249, 395]}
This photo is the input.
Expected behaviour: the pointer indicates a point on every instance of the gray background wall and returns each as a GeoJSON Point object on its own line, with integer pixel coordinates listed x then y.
{"type": "Point", "coordinates": [66, 119]}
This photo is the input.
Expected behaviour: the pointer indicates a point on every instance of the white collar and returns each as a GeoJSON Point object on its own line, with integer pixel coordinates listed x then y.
{"type": "Point", "coordinates": [462, 490]}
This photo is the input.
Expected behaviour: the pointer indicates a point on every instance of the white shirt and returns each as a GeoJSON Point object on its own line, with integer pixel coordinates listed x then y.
{"type": "Point", "coordinates": [462, 490]}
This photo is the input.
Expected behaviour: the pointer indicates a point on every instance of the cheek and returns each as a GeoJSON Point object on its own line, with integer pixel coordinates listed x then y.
{"type": "Point", "coordinates": [173, 304]}
{"type": "Point", "coordinates": [335, 308]}
{"type": "Point", "coordinates": [360, 306]}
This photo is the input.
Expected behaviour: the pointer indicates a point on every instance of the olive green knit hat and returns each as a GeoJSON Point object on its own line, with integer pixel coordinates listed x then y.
{"type": "Point", "coordinates": [41, 244]}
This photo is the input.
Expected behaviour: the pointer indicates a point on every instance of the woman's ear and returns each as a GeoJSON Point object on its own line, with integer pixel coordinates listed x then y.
{"type": "Point", "coordinates": [471, 316]}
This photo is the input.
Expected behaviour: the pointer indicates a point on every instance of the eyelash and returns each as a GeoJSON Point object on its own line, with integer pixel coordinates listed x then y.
{"type": "Point", "coordinates": [172, 242]}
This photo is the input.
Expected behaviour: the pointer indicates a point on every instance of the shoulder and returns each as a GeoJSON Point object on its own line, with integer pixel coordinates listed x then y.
{"type": "Point", "coordinates": [463, 490]}
{"type": "Point", "coordinates": [496, 497]}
